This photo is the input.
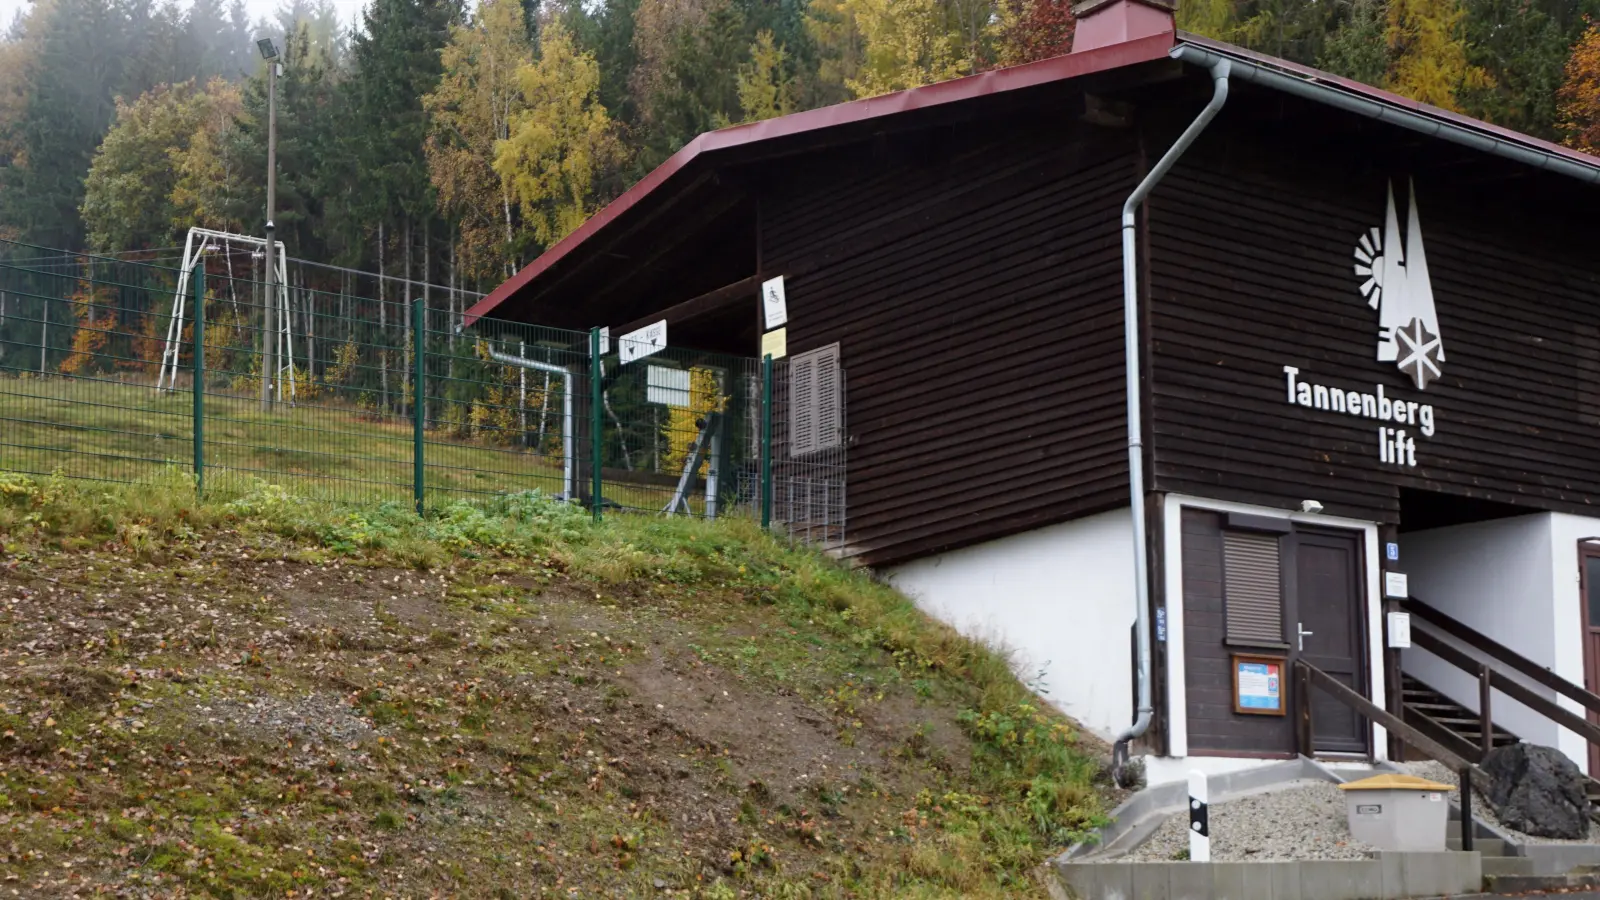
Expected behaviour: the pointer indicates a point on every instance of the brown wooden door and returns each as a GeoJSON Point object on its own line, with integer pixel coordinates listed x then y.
{"type": "Point", "coordinates": [1326, 629]}
{"type": "Point", "coordinates": [1589, 581]}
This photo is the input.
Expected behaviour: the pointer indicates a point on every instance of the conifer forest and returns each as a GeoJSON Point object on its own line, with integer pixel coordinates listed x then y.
{"type": "Point", "coordinates": [436, 136]}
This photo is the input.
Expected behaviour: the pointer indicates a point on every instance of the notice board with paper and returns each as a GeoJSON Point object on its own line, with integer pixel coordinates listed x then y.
{"type": "Point", "coordinates": [1258, 685]}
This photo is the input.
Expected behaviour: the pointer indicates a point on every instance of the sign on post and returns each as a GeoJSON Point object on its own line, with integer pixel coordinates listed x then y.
{"type": "Point", "coordinates": [775, 343]}
{"type": "Point", "coordinates": [773, 303]}
{"type": "Point", "coordinates": [646, 341]}
{"type": "Point", "coordinates": [1394, 586]}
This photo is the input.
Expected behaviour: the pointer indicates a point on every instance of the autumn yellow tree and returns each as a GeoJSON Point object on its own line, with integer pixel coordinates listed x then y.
{"type": "Point", "coordinates": [469, 113]}
{"type": "Point", "coordinates": [1580, 93]}
{"type": "Point", "coordinates": [840, 47]}
{"type": "Point", "coordinates": [560, 141]}
{"type": "Point", "coordinates": [907, 44]}
{"type": "Point", "coordinates": [1214, 19]}
{"type": "Point", "coordinates": [681, 430]}
{"type": "Point", "coordinates": [765, 90]}
{"type": "Point", "coordinates": [211, 178]}
{"type": "Point", "coordinates": [1428, 52]}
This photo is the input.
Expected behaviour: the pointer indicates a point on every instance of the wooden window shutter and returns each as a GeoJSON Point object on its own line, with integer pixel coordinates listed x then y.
{"type": "Point", "coordinates": [830, 432]}
{"type": "Point", "coordinates": [815, 401]}
{"type": "Point", "coordinates": [802, 404]}
{"type": "Point", "coordinates": [1252, 577]}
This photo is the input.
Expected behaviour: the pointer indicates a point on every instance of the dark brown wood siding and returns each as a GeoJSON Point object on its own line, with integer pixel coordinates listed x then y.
{"type": "Point", "coordinates": [1252, 241]}
{"type": "Point", "coordinates": [974, 289]}
{"type": "Point", "coordinates": [1208, 677]}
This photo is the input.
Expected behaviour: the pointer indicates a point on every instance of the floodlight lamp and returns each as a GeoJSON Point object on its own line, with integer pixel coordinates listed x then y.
{"type": "Point", "coordinates": [268, 51]}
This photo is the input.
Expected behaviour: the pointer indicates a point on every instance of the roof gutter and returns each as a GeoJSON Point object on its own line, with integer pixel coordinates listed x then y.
{"type": "Point", "coordinates": [1220, 69]}
{"type": "Point", "coordinates": [1332, 95]}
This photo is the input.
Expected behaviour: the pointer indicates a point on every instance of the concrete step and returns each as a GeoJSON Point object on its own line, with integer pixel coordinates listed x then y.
{"type": "Point", "coordinates": [1507, 865]}
{"type": "Point", "coordinates": [1525, 884]}
{"type": "Point", "coordinates": [1486, 847]}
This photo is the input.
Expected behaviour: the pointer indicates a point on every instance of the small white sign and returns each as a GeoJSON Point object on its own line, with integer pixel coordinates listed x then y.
{"type": "Point", "coordinates": [667, 386]}
{"type": "Point", "coordinates": [775, 343]}
{"type": "Point", "coordinates": [605, 340]}
{"type": "Point", "coordinates": [636, 345]}
{"type": "Point", "coordinates": [1394, 585]}
{"type": "Point", "coordinates": [1399, 631]}
{"type": "Point", "coordinates": [773, 302]}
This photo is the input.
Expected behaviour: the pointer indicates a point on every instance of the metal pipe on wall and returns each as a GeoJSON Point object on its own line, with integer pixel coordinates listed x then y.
{"type": "Point", "coordinates": [1131, 337]}
{"type": "Point", "coordinates": [1332, 95]}
{"type": "Point", "coordinates": [568, 463]}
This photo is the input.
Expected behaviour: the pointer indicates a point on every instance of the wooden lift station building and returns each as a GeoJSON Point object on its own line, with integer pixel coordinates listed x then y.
{"type": "Point", "coordinates": [1363, 337]}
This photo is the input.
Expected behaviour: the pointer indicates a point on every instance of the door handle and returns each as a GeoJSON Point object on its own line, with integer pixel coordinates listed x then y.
{"type": "Point", "coordinates": [1300, 627]}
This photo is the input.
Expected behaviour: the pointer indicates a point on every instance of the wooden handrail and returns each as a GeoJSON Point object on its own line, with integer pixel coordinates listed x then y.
{"type": "Point", "coordinates": [1503, 683]}
{"type": "Point", "coordinates": [1500, 653]}
{"type": "Point", "coordinates": [1407, 732]}
{"type": "Point", "coordinates": [1307, 675]}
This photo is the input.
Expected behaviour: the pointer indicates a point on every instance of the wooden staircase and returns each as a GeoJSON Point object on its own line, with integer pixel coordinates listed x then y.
{"type": "Point", "coordinates": [1432, 713]}
{"type": "Point", "coordinates": [1426, 707]}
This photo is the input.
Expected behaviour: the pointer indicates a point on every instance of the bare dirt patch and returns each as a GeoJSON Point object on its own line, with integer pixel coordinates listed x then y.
{"type": "Point", "coordinates": [254, 717]}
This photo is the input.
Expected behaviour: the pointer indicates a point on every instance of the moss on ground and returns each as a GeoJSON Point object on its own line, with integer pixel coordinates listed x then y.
{"type": "Point", "coordinates": [257, 694]}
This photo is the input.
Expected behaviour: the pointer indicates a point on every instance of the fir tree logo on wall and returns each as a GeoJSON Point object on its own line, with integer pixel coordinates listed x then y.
{"type": "Point", "coordinates": [1397, 286]}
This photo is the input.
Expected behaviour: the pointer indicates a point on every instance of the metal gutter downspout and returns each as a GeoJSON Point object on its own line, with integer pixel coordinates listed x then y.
{"type": "Point", "coordinates": [1332, 95]}
{"type": "Point", "coordinates": [1220, 69]}
{"type": "Point", "coordinates": [567, 463]}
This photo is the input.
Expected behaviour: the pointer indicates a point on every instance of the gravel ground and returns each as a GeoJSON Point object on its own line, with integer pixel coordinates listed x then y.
{"type": "Point", "coordinates": [1484, 812]}
{"type": "Point", "coordinates": [1306, 821]}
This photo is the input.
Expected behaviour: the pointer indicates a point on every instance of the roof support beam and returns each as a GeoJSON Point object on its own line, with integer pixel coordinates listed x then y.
{"type": "Point", "coordinates": [745, 289]}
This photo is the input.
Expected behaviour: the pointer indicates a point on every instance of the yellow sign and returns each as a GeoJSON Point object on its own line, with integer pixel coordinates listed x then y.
{"type": "Point", "coordinates": [775, 343]}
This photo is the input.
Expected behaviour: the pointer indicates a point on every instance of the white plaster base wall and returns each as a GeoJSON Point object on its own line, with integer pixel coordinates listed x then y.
{"type": "Point", "coordinates": [1515, 580]}
{"type": "Point", "coordinates": [1059, 599]}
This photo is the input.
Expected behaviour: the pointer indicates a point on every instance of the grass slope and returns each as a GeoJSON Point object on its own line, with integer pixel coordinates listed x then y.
{"type": "Point", "coordinates": [260, 696]}
{"type": "Point", "coordinates": [96, 428]}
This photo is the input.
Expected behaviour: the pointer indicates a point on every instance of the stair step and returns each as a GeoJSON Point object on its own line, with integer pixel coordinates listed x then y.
{"type": "Point", "coordinates": [1508, 865]}
{"type": "Point", "coordinates": [1486, 847]}
{"type": "Point", "coordinates": [1519, 884]}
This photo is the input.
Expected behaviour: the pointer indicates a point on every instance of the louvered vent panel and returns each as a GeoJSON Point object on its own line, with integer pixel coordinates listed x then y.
{"type": "Point", "coordinates": [802, 405]}
{"type": "Point", "coordinates": [827, 398]}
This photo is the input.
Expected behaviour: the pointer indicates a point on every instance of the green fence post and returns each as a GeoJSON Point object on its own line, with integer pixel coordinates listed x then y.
{"type": "Point", "coordinates": [199, 389]}
{"type": "Point", "coordinates": [419, 404]}
{"type": "Point", "coordinates": [596, 422]}
{"type": "Point", "coordinates": [766, 441]}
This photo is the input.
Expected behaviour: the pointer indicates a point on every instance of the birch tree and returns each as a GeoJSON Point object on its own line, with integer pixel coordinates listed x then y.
{"type": "Point", "coordinates": [470, 112]}
{"type": "Point", "coordinates": [560, 142]}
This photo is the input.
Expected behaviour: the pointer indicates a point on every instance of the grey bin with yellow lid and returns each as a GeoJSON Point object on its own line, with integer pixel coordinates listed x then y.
{"type": "Point", "coordinates": [1398, 812]}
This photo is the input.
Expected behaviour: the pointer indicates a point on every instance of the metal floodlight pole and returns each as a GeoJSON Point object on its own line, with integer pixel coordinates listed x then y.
{"type": "Point", "coordinates": [269, 328]}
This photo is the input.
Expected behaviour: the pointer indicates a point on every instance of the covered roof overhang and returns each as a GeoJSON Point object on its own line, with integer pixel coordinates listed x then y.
{"type": "Point", "coordinates": [697, 200]}
{"type": "Point", "coordinates": [680, 184]}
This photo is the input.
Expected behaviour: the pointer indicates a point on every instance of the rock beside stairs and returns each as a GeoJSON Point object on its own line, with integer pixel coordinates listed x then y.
{"type": "Point", "coordinates": [1538, 791]}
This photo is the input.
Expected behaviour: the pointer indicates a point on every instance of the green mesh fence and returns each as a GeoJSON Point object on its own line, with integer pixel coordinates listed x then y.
{"type": "Point", "coordinates": [100, 361]}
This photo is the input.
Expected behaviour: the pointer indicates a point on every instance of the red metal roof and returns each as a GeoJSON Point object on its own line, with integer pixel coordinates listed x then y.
{"type": "Point", "coordinates": [679, 168]}
{"type": "Point", "coordinates": [1059, 68]}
